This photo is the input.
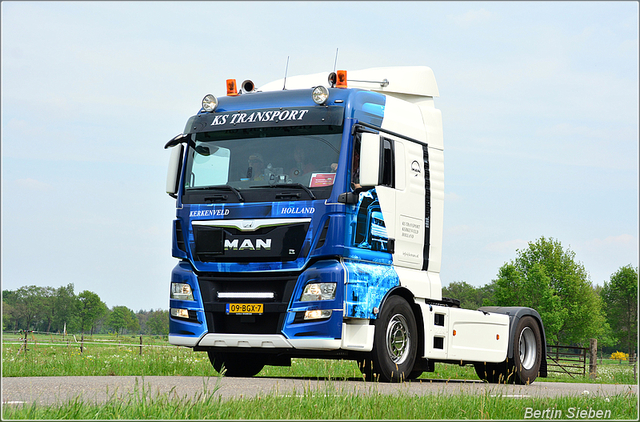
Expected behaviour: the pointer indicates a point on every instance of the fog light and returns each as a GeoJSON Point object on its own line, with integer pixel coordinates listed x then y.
{"type": "Point", "coordinates": [319, 291]}
{"type": "Point", "coordinates": [179, 313]}
{"type": "Point", "coordinates": [209, 103]}
{"type": "Point", "coordinates": [317, 314]}
{"type": "Point", "coordinates": [320, 95]}
{"type": "Point", "coordinates": [181, 291]}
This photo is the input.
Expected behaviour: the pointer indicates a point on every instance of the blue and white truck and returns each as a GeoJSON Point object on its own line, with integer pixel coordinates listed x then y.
{"type": "Point", "coordinates": [309, 220]}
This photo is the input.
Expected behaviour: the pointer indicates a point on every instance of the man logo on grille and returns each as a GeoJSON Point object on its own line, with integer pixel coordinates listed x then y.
{"type": "Point", "coordinates": [247, 245]}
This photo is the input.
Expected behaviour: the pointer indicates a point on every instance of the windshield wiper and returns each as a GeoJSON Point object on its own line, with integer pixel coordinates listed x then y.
{"type": "Point", "coordinates": [227, 187]}
{"type": "Point", "coordinates": [289, 185]}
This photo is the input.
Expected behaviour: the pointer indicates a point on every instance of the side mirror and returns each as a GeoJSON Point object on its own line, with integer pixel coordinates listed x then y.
{"type": "Point", "coordinates": [369, 159]}
{"type": "Point", "coordinates": [173, 173]}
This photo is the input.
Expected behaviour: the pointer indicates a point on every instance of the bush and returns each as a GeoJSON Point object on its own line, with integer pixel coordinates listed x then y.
{"type": "Point", "coordinates": [620, 356]}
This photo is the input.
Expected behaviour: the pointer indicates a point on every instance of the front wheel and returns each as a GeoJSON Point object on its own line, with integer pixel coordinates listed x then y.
{"type": "Point", "coordinates": [395, 342]}
{"type": "Point", "coordinates": [236, 364]}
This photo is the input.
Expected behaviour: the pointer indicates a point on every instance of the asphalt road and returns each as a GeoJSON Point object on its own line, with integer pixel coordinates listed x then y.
{"type": "Point", "coordinates": [49, 390]}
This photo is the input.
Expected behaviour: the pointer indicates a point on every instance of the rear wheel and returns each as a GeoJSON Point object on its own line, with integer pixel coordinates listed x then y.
{"type": "Point", "coordinates": [236, 364]}
{"type": "Point", "coordinates": [395, 342]}
{"type": "Point", "coordinates": [496, 373]}
{"type": "Point", "coordinates": [527, 357]}
{"type": "Point", "coordinates": [527, 351]}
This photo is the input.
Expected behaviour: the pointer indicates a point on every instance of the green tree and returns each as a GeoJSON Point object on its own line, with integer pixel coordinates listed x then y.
{"type": "Point", "coordinates": [9, 314]}
{"type": "Point", "coordinates": [531, 289]}
{"type": "Point", "coordinates": [122, 318]}
{"type": "Point", "coordinates": [470, 297]}
{"type": "Point", "coordinates": [48, 311]}
{"type": "Point", "coordinates": [546, 277]}
{"type": "Point", "coordinates": [29, 307]}
{"type": "Point", "coordinates": [158, 323]}
{"type": "Point", "coordinates": [90, 309]}
{"type": "Point", "coordinates": [620, 296]}
{"type": "Point", "coordinates": [488, 294]}
{"type": "Point", "coordinates": [67, 308]}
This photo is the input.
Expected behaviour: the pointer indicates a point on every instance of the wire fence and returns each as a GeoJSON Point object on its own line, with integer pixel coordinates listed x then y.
{"type": "Point", "coordinates": [27, 338]}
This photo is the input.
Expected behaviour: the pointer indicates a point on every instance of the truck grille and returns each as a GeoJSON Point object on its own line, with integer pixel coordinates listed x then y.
{"type": "Point", "coordinates": [273, 291]}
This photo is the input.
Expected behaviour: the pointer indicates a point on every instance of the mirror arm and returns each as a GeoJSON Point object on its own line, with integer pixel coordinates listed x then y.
{"type": "Point", "coordinates": [178, 139]}
{"type": "Point", "coordinates": [363, 128]}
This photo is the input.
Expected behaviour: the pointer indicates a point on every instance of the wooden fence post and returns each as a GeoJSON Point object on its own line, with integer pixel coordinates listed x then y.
{"type": "Point", "coordinates": [81, 343]}
{"type": "Point", "coordinates": [593, 364]}
{"type": "Point", "coordinates": [140, 345]}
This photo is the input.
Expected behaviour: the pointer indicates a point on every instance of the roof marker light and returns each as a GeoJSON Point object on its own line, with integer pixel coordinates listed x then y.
{"type": "Point", "coordinates": [232, 89]}
{"type": "Point", "coordinates": [209, 103]}
{"type": "Point", "coordinates": [341, 79]}
{"type": "Point", "coordinates": [320, 94]}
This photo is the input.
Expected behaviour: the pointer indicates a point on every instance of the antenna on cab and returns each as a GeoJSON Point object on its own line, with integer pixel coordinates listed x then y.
{"type": "Point", "coordinates": [285, 74]}
{"type": "Point", "coordinates": [333, 77]}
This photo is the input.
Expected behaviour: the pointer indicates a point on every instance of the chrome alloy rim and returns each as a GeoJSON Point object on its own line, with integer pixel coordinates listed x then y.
{"type": "Point", "coordinates": [528, 352]}
{"type": "Point", "coordinates": [398, 339]}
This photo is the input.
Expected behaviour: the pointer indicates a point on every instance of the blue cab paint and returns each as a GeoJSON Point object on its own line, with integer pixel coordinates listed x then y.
{"type": "Point", "coordinates": [342, 243]}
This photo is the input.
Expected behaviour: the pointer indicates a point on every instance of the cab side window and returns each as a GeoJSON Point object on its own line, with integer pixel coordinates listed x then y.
{"type": "Point", "coordinates": [387, 168]}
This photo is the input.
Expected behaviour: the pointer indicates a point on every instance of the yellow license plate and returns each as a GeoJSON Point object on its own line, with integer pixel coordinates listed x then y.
{"type": "Point", "coordinates": [244, 308]}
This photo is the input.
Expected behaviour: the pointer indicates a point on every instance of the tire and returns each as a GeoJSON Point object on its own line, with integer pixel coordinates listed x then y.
{"type": "Point", "coordinates": [495, 373]}
{"type": "Point", "coordinates": [527, 357]}
{"type": "Point", "coordinates": [366, 367]}
{"type": "Point", "coordinates": [415, 374]}
{"type": "Point", "coordinates": [395, 342]}
{"type": "Point", "coordinates": [527, 351]}
{"type": "Point", "coordinates": [236, 364]}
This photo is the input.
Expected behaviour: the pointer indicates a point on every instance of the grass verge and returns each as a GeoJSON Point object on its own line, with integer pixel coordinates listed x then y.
{"type": "Point", "coordinates": [140, 404]}
{"type": "Point", "coordinates": [102, 355]}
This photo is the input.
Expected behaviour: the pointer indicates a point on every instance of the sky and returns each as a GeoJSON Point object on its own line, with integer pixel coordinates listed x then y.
{"type": "Point", "coordinates": [539, 104]}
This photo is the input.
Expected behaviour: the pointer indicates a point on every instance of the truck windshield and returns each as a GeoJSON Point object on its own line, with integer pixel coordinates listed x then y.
{"type": "Point", "coordinates": [305, 157]}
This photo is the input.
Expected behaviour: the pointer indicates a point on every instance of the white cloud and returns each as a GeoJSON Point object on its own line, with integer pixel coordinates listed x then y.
{"type": "Point", "coordinates": [33, 185]}
{"type": "Point", "coordinates": [622, 241]}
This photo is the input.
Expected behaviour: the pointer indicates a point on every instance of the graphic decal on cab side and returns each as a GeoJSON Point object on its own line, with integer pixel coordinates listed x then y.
{"type": "Point", "coordinates": [370, 231]}
{"type": "Point", "coordinates": [367, 284]}
{"type": "Point", "coordinates": [370, 273]}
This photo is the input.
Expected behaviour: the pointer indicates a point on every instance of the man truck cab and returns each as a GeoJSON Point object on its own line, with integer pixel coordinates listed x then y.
{"type": "Point", "coordinates": [309, 220]}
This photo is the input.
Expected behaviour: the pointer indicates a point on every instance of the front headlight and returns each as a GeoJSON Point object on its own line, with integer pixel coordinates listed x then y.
{"type": "Point", "coordinates": [319, 291]}
{"type": "Point", "coordinates": [181, 291]}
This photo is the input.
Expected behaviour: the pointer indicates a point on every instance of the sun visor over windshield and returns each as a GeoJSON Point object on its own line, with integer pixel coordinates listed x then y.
{"type": "Point", "coordinates": [284, 116]}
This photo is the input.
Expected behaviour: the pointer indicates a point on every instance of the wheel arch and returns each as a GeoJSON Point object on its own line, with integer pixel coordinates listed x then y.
{"type": "Point", "coordinates": [515, 313]}
{"type": "Point", "coordinates": [417, 313]}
